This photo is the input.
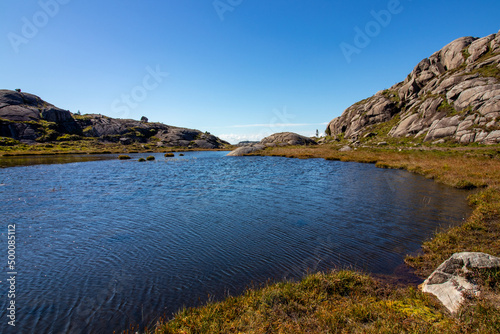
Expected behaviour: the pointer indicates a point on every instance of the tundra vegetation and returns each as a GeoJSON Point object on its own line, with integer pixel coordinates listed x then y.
{"type": "Point", "coordinates": [346, 301]}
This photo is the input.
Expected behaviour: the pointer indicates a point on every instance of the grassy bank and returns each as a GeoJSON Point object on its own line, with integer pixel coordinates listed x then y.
{"type": "Point", "coordinates": [89, 146]}
{"type": "Point", "coordinates": [336, 302]}
{"type": "Point", "coordinates": [351, 302]}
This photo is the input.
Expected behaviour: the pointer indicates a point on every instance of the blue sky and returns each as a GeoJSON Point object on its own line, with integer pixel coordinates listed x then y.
{"type": "Point", "coordinates": [239, 69]}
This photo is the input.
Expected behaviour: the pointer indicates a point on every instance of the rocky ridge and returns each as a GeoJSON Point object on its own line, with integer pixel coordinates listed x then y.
{"type": "Point", "coordinates": [27, 118]}
{"type": "Point", "coordinates": [454, 94]}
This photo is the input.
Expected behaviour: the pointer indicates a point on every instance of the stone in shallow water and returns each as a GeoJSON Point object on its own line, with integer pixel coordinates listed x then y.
{"type": "Point", "coordinates": [448, 282]}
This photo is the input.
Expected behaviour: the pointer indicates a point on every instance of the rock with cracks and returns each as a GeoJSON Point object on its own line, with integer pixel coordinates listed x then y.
{"type": "Point", "coordinates": [453, 95]}
{"type": "Point", "coordinates": [28, 118]}
{"type": "Point", "coordinates": [286, 139]}
{"type": "Point", "coordinates": [449, 283]}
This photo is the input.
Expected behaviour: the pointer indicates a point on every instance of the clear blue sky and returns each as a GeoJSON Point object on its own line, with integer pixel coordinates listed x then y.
{"type": "Point", "coordinates": [240, 69]}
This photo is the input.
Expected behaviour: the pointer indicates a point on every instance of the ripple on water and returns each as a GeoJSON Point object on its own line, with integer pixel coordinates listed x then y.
{"type": "Point", "coordinates": [107, 244]}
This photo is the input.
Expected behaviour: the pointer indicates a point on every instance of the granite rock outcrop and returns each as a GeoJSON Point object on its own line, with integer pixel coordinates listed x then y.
{"type": "Point", "coordinates": [28, 118]}
{"type": "Point", "coordinates": [454, 94]}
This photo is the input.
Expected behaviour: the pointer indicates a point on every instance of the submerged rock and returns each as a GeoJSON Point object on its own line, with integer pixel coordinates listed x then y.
{"type": "Point", "coordinates": [449, 283]}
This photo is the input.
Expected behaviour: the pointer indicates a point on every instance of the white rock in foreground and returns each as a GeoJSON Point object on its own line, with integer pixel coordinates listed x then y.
{"type": "Point", "coordinates": [448, 282]}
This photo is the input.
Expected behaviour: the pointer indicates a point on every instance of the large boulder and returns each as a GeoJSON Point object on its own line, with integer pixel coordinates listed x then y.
{"type": "Point", "coordinates": [23, 107]}
{"type": "Point", "coordinates": [20, 131]}
{"type": "Point", "coordinates": [10, 98]}
{"type": "Point", "coordinates": [345, 148]}
{"type": "Point", "coordinates": [479, 47]}
{"type": "Point", "coordinates": [449, 282]}
{"type": "Point", "coordinates": [20, 113]}
{"type": "Point", "coordinates": [377, 109]}
{"type": "Point", "coordinates": [286, 139]}
{"type": "Point", "coordinates": [451, 55]}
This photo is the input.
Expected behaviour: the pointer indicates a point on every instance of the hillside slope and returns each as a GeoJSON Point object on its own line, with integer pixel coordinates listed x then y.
{"type": "Point", "coordinates": [29, 119]}
{"type": "Point", "coordinates": [452, 95]}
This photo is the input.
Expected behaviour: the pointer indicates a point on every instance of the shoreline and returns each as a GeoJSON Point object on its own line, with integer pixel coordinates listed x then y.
{"type": "Point", "coordinates": [461, 168]}
{"type": "Point", "coordinates": [356, 304]}
{"type": "Point", "coordinates": [358, 298]}
{"type": "Point", "coordinates": [34, 158]}
{"type": "Point", "coordinates": [104, 151]}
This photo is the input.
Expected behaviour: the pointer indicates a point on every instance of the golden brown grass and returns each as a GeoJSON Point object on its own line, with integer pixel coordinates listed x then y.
{"type": "Point", "coordinates": [89, 146]}
{"type": "Point", "coordinates": [335, 302]}
{"type": "Point", "coordinates": [350, 302]}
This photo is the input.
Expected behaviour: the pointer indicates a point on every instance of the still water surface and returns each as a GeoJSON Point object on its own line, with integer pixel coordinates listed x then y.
{"type": "Point", "coordinates": [103, 245]}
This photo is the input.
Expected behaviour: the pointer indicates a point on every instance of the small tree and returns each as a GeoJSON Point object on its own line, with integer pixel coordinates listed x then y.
{"type": "Point", "coordinates": [144, 119]}
{"type": "Point", "coordinates": [317, 133]}
{"type": "Point", "coordinates": [18, 90]}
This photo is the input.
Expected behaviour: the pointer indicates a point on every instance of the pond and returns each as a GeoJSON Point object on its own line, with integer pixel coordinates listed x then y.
{"type": "Point", "coordinates": [105, 245]}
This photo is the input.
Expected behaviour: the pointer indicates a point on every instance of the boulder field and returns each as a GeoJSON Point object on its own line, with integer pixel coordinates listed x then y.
{"type": "Point", "coordinates": [454, 94]}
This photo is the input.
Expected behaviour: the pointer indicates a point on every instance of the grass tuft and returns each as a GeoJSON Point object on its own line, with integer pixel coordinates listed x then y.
{"type": "Point", "coordinates": [335, 302]}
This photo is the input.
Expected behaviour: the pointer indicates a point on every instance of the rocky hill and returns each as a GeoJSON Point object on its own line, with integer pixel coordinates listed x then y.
{"type": "Point", "coordinates": [453, 95]}
{"type": "Point", "coordinates": [28, 118]}
{"type": "Point", "coordinates": [277, 139]}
